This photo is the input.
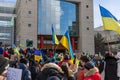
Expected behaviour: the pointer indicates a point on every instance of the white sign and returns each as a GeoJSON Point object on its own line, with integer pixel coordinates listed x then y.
{"type": "Point", "coordinates": [14, 74]}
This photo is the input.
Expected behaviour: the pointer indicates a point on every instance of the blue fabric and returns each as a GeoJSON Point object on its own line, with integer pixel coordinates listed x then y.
{"type": "Point", "coordinates": [26, 74]}
{"type": "Point", "coordinates": [1, 50]}
{"type": "Point", "coordinates": [106, 13]}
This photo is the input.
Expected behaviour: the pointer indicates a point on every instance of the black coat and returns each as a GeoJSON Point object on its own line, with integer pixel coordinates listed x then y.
{"type": "Point", "coordinates": [48, 72]}
{"type": "Point", "coordinates": [34, 71]}
{"type": "Point", "coordinates": [111, 68]}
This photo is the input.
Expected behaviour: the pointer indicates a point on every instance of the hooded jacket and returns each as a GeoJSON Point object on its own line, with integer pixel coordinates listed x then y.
{"type": "Point", "coordinates": [92, 74]}
{"type": "Point", "coordinates": [51, 69]}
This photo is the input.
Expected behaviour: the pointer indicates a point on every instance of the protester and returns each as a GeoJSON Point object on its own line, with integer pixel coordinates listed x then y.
{"type": "Point", "coordinates": [50, 71]}
{"type": "Point", "coordinates": [98, 62]}
{"type": "Point", "coordinates": [26, 74]}
{"type": "Point", "coordinates": [6, 54]}
{"type": "Point", "coordinates": [65, 59]}
{"type": "Point", "coordinates": [3, 68]}
{"type": "Point", "coordinates": [83, 61]}
{"type": "Point", "coordinates": [1, 50]}
{"type": "Point", "coordinates": [34, 69]}
{"type": "Point", "coordinates": [91, 72]}
{"type": "Point", "coordinates": [111, 66]}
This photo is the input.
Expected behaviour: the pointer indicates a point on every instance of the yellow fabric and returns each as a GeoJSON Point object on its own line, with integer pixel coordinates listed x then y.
{"type": "Point", "coordinates": [38, 58]}
{"type": "Point", "coordinates": [111, 24]}
{"type": "Point", "coordinates": [56, 40]}
{"type": "Point", "coordinates": [64, 42]}
{"type": "Point", "coordinates": [16, 51]}
{"type": "Point", "coordinates": [71, 60]}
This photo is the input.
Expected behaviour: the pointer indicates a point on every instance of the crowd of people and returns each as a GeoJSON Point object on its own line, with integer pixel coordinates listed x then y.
{"type": "Point", "coordinates": [60, 66]}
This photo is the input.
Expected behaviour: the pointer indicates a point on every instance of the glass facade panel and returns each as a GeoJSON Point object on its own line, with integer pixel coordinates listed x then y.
{"type": "Point", "coordinates": [8, 1]}
{"type": "Point", "coordinates": [59, 13]}
{"type": "Point", "coordinates": [5, 23]}
{"type": "Point", "coordinates": [7, 11]}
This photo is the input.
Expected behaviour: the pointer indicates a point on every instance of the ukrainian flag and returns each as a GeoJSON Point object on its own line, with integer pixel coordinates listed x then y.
{"type": "Point", "coordinates": [15, 50]}
{"type": "Point", "coordinates": [65, 41]}
{"type": "Point", "coordinates": [54, 37]}
{"type": "Point", "coordinates": [38, 55]}
{"type": "Point", "coordinates": [109, 21]}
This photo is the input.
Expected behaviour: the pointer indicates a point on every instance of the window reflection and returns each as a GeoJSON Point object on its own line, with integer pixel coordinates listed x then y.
{"type": "Point", "coordinates": [61, 14]}
{"type": "Point", "coordinates": [8, 1]}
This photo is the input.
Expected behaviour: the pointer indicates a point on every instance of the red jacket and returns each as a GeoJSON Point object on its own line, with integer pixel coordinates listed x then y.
{"type": "Point", "coordinates": [5, 54]}
{"type": "Point", "coordinates": [67, 61]}
{"type": "Point", "coordinates": [92, 74]}
{"type": "Point", "coordinates": [80, 75]}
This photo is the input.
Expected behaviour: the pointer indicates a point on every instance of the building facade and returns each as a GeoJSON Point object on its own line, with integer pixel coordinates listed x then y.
{"type": "Point", "coordinates": [26, 22]}
{"type": "Point", "coordinates": [7, 12]}
{"type": "Point", "coordinates": [111, 37]}
{"type": "Point", "coordinates": [35, 17]}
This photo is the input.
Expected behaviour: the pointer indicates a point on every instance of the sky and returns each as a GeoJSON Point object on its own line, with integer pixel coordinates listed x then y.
{"type": "Point", "coordinates": [112, 5]}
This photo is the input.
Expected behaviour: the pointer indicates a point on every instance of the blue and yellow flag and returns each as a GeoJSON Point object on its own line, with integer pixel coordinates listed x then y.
{"type": "Point", "coordinates": [109, 21]}
{"type": "Point", "coordinates": [54, 37]}
{"type": "Point", "coordinates": [38, 55]}
{"type": "Point", "coordinates": [16, 51]}
{"type": "Point", "coordinates": [65, 41]}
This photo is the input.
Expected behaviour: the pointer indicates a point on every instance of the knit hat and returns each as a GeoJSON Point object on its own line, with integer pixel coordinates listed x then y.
{"type": "Point", "coordinates": [24, 61]}
{"type": "Point", "coordinates": [53, 78]}
{"type": "Point", "coordinates": [89, 65]}
{"type": "Point", "coordinates": [3, 64]}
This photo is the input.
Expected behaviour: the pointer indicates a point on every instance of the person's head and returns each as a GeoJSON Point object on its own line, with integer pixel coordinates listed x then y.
{"type": "Point", "coordinates": [66, 57]}
{"type": "Point", "coordinates": [24, 61]}
{"type": "Point", "coordinates": [96, 57]}
{"type": "Point", "coordinates": [3, 67]}
{"type": "Point", "coordinates": [84, 60]}
{"type": "Point", "coordinates": [89, 65]}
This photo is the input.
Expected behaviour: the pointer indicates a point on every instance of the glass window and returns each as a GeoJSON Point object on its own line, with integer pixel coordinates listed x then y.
{"type": "Point", "coordinates": [87, 28]}
{"type": "Point", "coordinates": [29, 25]}
{"type": "Point", "coordinates": [60, 13]}
{"type": "Point", "coordinates": [87, 17]}
{"type": "Point", "coordinates": [29, 12]}
{"type": "Point", "coordinates": [8, 1]}
{"type": "Point", "coordinates": [87, 6]}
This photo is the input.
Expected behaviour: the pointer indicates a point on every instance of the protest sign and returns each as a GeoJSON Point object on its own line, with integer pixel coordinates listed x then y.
{"type": "Point", "coordinates": [14, 74]}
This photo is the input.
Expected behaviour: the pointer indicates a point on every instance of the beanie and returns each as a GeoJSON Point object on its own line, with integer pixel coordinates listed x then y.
{"type": "Point", "coordinates": [24, 61]}
{"type": "Point", "coordinates": [53, 78]}
{"type": "Point", "coordinates": [89, 65]}
{"type": "Point", "coordinates": [3, 64]}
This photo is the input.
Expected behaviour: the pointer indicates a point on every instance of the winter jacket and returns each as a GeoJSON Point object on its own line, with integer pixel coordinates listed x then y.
{"type": "Point", "coordinates": [34, 71]}
{"type": "Point", "coordinates": [111, 68]}
{"type": "Point", "coordinates": [92, 74]}
{"type": "Point", "coordinates": [81, 75]}
{"type": "Point", "coordinates": [1, 50]}
{"type": "Point", "coordinates": [26, 74]}
{"type": "Point", "coordinates": [5, 54]}
{"type": "Point", "coordinates": [51, 69]}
